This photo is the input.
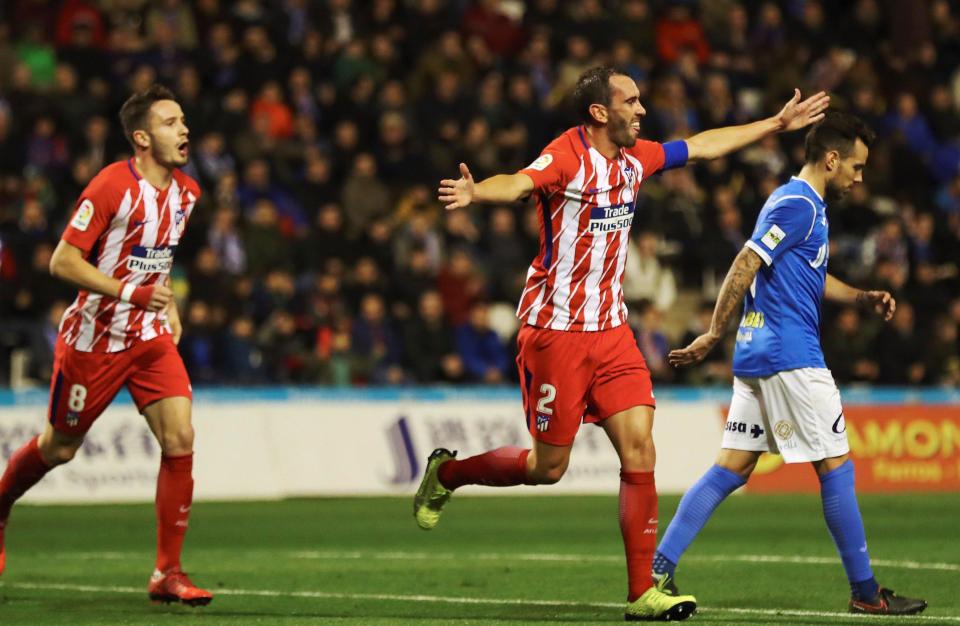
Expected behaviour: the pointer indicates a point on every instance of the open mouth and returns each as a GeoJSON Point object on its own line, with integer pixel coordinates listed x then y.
{"type": "Point", "coordinates": [636, 127]}
{"type": "Point", "coordinates": [183, 148]}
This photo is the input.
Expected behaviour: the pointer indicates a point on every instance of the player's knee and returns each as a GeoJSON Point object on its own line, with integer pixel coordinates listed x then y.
{"type": "Point", "coordinates": [639, 454]}
{"type": "Point", "coordinates": [59, 454]}
{"type": "Point", "coordinates": [548, 475]}
{"type": "Point", "coordinates": [178, 441]}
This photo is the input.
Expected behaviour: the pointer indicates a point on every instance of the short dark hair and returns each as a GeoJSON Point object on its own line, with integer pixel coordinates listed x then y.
{"type": "Point", "coordinates": [593, 87]}
{"type": "Point", "coordinates": [837, 131]}
{"type": "Point", "coordinates": [133, 113]}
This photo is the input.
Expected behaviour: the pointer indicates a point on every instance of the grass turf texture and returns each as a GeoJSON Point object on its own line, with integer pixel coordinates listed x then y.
{"type": "Point", "coordinates": [491, 560]}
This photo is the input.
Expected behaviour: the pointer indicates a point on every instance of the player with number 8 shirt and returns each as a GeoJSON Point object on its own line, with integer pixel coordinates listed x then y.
{"type": "Point", "coordinates": [578, 360]}
{"type": "Point", "coordinates": [123, 327]}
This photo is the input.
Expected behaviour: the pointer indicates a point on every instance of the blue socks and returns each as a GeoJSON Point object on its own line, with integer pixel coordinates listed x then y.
{"type": "Point", "coordinates": [842, 514]}
{"type": "Point", "coordinates": [695, 509]}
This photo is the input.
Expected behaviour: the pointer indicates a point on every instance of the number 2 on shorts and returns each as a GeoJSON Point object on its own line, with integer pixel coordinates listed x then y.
{"type": "Point", "coordinates": [549, 393]}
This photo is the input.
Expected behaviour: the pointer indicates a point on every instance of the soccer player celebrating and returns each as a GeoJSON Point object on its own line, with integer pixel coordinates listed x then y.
{"type": "Point", "coordinates": [784, 398]}
{"type": "Point", "coordinates": [123, 327]}
{"type": "Point", "coordinates": [578, 360]}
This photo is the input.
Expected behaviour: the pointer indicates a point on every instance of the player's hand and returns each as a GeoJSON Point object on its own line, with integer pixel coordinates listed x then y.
{"type": "Point", "coordinates": [796, 115]}
{"type": "Point", "coordinates": [457, 194]}
{"type": "Point", "coordinates": [695, 352]}
{"type": "Point", "coordinates": [159, 299]}
{"type": "Point", "coordinates": [882, 303]}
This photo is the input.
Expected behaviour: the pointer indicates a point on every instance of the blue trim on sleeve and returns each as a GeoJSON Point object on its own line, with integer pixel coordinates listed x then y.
{"type": "Point", "coordinates": [547, 230]}
{"type": "Point", "coordinates": [675, 154]}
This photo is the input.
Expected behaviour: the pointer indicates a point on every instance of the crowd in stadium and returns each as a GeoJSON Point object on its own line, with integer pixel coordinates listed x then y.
{"type": "Point", "coordinates": [320, 130]}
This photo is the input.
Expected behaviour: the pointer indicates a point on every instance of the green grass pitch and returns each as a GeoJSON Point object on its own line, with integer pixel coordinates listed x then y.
{"type": "Point", "coordinates": [762, 560]}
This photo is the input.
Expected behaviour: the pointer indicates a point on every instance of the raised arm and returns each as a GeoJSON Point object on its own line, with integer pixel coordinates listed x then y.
{"type": "Point", "coordinates": [838, 291]}
{"type": "Point", "coordinates": [795, 115]}
{"type": "Point", "coordinates": [67, 263]}
{"type": "Point", "coordinates": [735, 285]}
{"type": "Point", "coordinates": [457, 194]}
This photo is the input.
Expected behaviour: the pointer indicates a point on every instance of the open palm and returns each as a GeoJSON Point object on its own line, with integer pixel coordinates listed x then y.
{"type": "Point", "coordinates": [457, 194]}
{"type": "Point", "coordinates": [796, 114]}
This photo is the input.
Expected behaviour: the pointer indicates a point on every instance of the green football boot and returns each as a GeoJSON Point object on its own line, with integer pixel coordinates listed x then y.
{"type": "Point", "coordinates": [666, 583]}
{"type": "Point", "coordinates": [657, 606]}
{"type": "Point", "coordinates": [432, 496]}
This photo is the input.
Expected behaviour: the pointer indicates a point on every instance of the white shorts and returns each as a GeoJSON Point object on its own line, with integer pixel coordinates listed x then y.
{"type": "Point", "coordinates": [796, 413]}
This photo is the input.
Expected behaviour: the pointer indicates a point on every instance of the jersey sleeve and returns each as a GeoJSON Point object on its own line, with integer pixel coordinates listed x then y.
{"type": "Point", "coordinates": [92, 214]}
{"type": "Point", "coordinates": [650, 154]}
{"type": "Point", "coordinates": [788, 223]}
{"type": "Point", "coordinates": [551, 170]}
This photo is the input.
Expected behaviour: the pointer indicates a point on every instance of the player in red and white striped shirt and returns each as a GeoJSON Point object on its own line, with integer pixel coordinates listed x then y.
{"type": "Point", "coordinates": [123, 327]}
{"type": "Point", "coordinates": [578, 360]}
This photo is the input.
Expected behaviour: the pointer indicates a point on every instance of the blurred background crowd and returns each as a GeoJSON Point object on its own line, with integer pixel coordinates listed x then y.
{"type": "Point", "coordinates": [321, 128]}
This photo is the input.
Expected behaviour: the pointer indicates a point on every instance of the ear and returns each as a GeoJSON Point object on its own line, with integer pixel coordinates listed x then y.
{"type": "Point", "coordinates": [832, 160]}
{"type": "Point", "coordinates": [141, 138]}
{"type": "Point", "coordinates": [599, 113]}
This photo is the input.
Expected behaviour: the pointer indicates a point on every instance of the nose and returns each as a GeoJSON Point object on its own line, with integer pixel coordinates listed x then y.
{"type": "Point", "coordinates": [640, 110]}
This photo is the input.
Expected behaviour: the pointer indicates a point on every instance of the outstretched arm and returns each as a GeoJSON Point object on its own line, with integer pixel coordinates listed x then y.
{"type": "Point", "coordinates": [735, 285]}
{"type": "Point", "coordinates": [457, 194]}
{"type": "Point", "coordinates": [838, 291]}
{"type": "Point", "coordinates": [795, 115]}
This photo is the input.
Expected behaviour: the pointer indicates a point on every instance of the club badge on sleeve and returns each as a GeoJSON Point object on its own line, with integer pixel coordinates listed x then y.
{"type": "Point", "coordinates": [541, 163]}
{"type": "Point", "coordinates": [81, 220]}
{"type": "Point", "coordinates": [773, 237]}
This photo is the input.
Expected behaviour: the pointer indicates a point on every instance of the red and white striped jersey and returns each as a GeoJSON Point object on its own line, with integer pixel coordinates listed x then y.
{"type": "Point", "coordinates": [586, 204]}
{"type": "Point", "coordinates": [127, 229]}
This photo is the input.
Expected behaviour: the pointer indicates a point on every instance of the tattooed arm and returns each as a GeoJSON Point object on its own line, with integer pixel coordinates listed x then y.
{"type": "Point", "coordinates": [735, 285]}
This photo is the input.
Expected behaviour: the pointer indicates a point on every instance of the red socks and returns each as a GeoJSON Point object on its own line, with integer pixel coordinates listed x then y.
{"type": "Point", "coordinates": [174, 498]}
{"type": "Point", "coordinates": [24, 470]}
{"type": "Point", "coordinates": [503, 467]}
{"type": "Point", "coordinates": [638, 524]}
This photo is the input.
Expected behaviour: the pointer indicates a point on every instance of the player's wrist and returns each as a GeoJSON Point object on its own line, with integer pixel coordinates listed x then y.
{"type": "Point", "coordinates": [137, 296]}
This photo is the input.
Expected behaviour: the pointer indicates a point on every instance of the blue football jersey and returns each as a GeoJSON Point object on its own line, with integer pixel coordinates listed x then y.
{"type": "Point", "coordinates": [780, 328]}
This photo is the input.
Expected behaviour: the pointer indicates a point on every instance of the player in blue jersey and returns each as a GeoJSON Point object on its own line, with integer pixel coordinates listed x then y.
{"type": "Point", "coordinates": [784, 398]}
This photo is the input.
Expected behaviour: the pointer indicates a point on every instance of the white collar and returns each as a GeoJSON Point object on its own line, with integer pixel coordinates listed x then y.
{"type": "Point", "coordinates": [810, 186]}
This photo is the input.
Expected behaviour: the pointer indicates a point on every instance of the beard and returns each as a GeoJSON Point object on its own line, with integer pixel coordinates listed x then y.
{"type": "Point", "coordinates": [835, 193]}
{"type": "Point", "coordinates": [620, 132]}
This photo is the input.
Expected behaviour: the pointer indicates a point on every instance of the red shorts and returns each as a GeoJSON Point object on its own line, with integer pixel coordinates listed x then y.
{"type": "Point", "coordinates": [85, 383]}
{"type": "Point", "coordinates": [573, 377]}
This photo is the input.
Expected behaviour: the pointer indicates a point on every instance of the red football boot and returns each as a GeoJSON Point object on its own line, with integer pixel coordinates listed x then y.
{"type": "Point", "coordinates": [174, 586]}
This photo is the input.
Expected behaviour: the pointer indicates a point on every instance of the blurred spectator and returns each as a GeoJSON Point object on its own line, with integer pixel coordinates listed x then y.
{"type": "Point", "coordinates": [678, 30]}
{"type": "Point", "coordinates": [653, 343]}
{"type": "Point", "coordinates": [431, 352]}
{"type": "Point", "coordinates": [901, 354]}
{"type": "Point", "coordinates": [645, 277]}
{"type": "Point", "coordinates": [942, 362]}
{"type": "Point", "coordinates": [484, 356]}
{"type": "Point", "coordinates": [848, 348]}
{"type": "Point", "coordinates": [375, 347]}
{"type": "Point", "coordinates": [365, 194]}
{"type": "Point", "coordinates": [459, 286]}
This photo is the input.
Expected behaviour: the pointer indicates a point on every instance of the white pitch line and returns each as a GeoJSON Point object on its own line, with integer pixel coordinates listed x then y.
{"type": "Point", "coordinates": [545, 557]}
{"type": "Point", "coordinates": [462, 600]}
{"type": "Point", "coordinates": [603, 558]}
